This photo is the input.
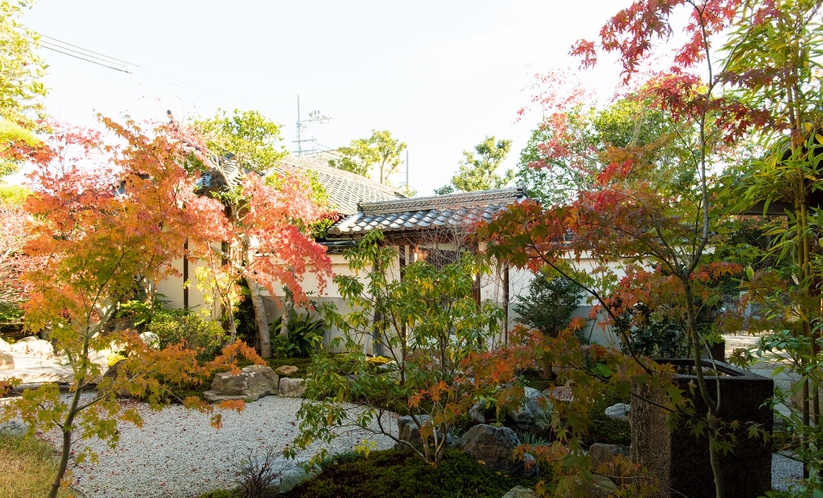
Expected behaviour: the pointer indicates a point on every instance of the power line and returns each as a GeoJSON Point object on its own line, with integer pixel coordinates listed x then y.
{"type": "Point", "coordinates": [81, 49]}
{"type": "Point", "coordinates": [83, 57]}
{"type": "Point", "coordinates": [99, 59]}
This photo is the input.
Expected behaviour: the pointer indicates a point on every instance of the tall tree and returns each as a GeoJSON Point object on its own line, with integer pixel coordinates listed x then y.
{"type": "Point", "coordinates": [479, 172]}
{"type": "Point", "coordinates": [21, 70]}
{"type": "Point", "coordinates": [267, 227]}
{"type": "Point", "coordinates": [248, 137]}
{"type": "Point", "coordinates": [379, 152]}
{"type": "Point", "coordinates": [104, 223]}
{"type": "Point", "coordinates": [776, 69]}
{"type": "Point", "coordinates": [638, 208]}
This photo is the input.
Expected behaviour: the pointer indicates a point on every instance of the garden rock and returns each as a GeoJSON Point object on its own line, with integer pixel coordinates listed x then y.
{"type": "Point", "coordinates": [408, 431]}
{"type": "Point", "coordinates": [619, 411]}
{"type": "Point", "coordinates": [150, 339]}
{"type": "Point", "coordinates": [560, 393]}
{"type": "Point", "coordinates": [601, 453]}
{"type": "Point", "coordinates": [478, 412]}
{"type": "Point", "coordinates": [4, 346]}
{"type": "Point", "coordinates": [286, 370]}
{"type": "Point", "coordinates": [252, 383]}
{"type": "Point", "coordinates": [520, 492]}
{"type": "Point", "coordinates": [292, 388]}
{"type": "Point", "coordinates": [14, 428]}
{"type": "Point", "coordinates": [32, 346]}
{"type": "Point", "coordinates": [534, 412]}
{"type": "Point", "coordinates": [600, 487]}
{"type": "Point", "coordinates": [495, 446]}
{"type": "Point", "coordinates": [6, 361]}
{"type": "Point", "coordinates": [292, 473]}
{"type": "Point", "coordinates": [112, 374]}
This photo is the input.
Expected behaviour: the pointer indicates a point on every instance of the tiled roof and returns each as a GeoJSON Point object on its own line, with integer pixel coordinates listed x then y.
{"type": "Point", "coordinates": [426, 213]}
{"type": "Point", "coordinates": [346, 190]}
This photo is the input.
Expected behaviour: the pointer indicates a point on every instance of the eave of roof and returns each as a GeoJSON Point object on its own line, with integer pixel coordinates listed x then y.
{"type": "Point", "coordinates": [455, 211]}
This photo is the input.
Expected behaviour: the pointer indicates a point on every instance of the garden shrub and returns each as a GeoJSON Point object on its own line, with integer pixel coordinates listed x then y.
{"type": "Point", "coordinates": [178, 326]}
{"type": "Point", "coordinates": [305, 335]}
{"type": "Point", "coordinates": [550, 303]}
{"type": "Point", "coordinates": [602, 429]}
{"type": "Point", "coordinates": [399, 473]}
{"type": "Point", "coordinates": [426, 321]}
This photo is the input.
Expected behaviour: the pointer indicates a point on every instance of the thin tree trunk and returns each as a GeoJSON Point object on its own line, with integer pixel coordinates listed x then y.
{"type": "Point", "coordinates": [67, 426]}
{"type": "Point", "coordinates": [260, 317]}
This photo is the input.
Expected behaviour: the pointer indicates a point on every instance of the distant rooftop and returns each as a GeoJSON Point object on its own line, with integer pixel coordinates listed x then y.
{"type": "Point", "coordinates": [404, 216]}
{"type": "Point", "coordinates": [346, 190]}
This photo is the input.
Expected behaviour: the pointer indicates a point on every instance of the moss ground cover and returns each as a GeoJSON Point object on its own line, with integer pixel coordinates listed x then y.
{"type": "Point", "coordinates": [398, 473]}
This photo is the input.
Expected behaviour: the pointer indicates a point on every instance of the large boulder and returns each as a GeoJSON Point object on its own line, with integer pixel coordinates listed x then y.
{"type": "Point", "coordinates": [534, 411]}
{"type": "Point", "coordinates": [600, 487]}
{"type": "Point", "coordinates": [252, 383]}
{"type": "Point", "coordinates": [6, 361]}
{"type": "Point", "coordinates": [495, 447]}
{"type": "Point", "coordinates": [619, 411]}
{"type": "Point", "coordinates": [520, 492]}
{"type": "Point", "coordinates": [33, 346]}
{"type": "Point", "coordinates": [14, 428]}
{"type": "Point", "coordinates": [150, 339]}
{"type": "Point", "coordinates": [409, 431]}
{"type": "Point", "coordinates": [601, 453]}
{"type": "Point", "coordinates": [292, 388]}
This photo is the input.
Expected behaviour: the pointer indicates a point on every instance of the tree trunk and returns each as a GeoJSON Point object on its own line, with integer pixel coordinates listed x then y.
{"type": "Point", "coordinates": [260, 317]}
{"type": "Point", "coordinates": [66, 448]}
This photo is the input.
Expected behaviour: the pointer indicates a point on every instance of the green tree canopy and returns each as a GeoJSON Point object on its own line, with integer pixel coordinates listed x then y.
{"type": "Point", "coordinates": [250, 137]}
{"type": "Point", "coordinates": [479, 172]}
{"type": "Point", "coordinates": [20, 87]}
{"type": "Point", "coordinates": [363, 155]}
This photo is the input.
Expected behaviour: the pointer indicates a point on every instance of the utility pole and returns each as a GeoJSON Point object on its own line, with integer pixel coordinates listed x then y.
{"type": "Point", "coordinates": [314, 117]}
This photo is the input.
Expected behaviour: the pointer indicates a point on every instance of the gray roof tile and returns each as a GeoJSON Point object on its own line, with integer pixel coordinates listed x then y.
{"type": "Point", "coordinates": [345, 189]}
{"type": "Point", "coordinates": [420, 213]}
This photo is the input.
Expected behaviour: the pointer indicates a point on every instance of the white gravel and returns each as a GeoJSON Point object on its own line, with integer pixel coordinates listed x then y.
{"type": "Point", "coordinates": [178, 454]}
{"type": "Point", "coordinates": [785, 471]}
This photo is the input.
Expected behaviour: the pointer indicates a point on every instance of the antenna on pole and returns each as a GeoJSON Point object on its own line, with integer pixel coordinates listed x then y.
{"type": "Point", "coordinates": [314, 117]}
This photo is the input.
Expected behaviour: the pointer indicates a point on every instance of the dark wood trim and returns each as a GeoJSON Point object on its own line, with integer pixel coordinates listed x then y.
{"type": "Point", "coordinates": [186, 274]}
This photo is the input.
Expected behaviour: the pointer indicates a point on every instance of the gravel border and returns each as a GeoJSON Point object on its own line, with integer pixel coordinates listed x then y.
{"type": "Point", "coordinates": [178, 454]}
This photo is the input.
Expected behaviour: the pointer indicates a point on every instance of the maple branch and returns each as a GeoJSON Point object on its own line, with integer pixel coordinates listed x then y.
{"type": "Point", "coordinates": [597, 297]}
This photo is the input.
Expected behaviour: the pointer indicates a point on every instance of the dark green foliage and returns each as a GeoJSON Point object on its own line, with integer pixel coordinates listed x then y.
{"type": "Point", "coordinates": [137, 313]}
{"type": "Point", "coordinates": [550, 303]}
{"type": "Point", "coordinates": [659, 337]}
{"type": "Point", "coordinates": [244, 318]}
{"type": "Point", "coordinates": [605, 430]}
{"type": "Point", "coordinates": [305, 335]}
{"type": "Point", "coordinates": [180, 326]}
{"type": "Point", "coordinates": [222, 493]}
{"type": "Point", "coordinates": [396, 473]}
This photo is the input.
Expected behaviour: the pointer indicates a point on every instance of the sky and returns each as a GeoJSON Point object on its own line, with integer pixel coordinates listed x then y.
{"type": "Point", "coordinates": [441, 76]}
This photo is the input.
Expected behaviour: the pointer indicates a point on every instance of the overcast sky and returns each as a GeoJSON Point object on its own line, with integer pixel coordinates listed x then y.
{"type": "Point", "coordinates": [439, 75]}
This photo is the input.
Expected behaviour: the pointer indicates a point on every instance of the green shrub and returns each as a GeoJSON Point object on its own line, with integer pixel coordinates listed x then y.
{"type": "Point", "coordinates": [222, 493]}
{"type": "Point", "coordinates": [399, 473]}
{"type": "Point", "coordinates": [176, 326]}
{"type": "Point", "coordinates": [305, 335]}
{"type": "Point", "coordinates": [550, 303]}
{"type": "Point", "coordinates": [605, 430]}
